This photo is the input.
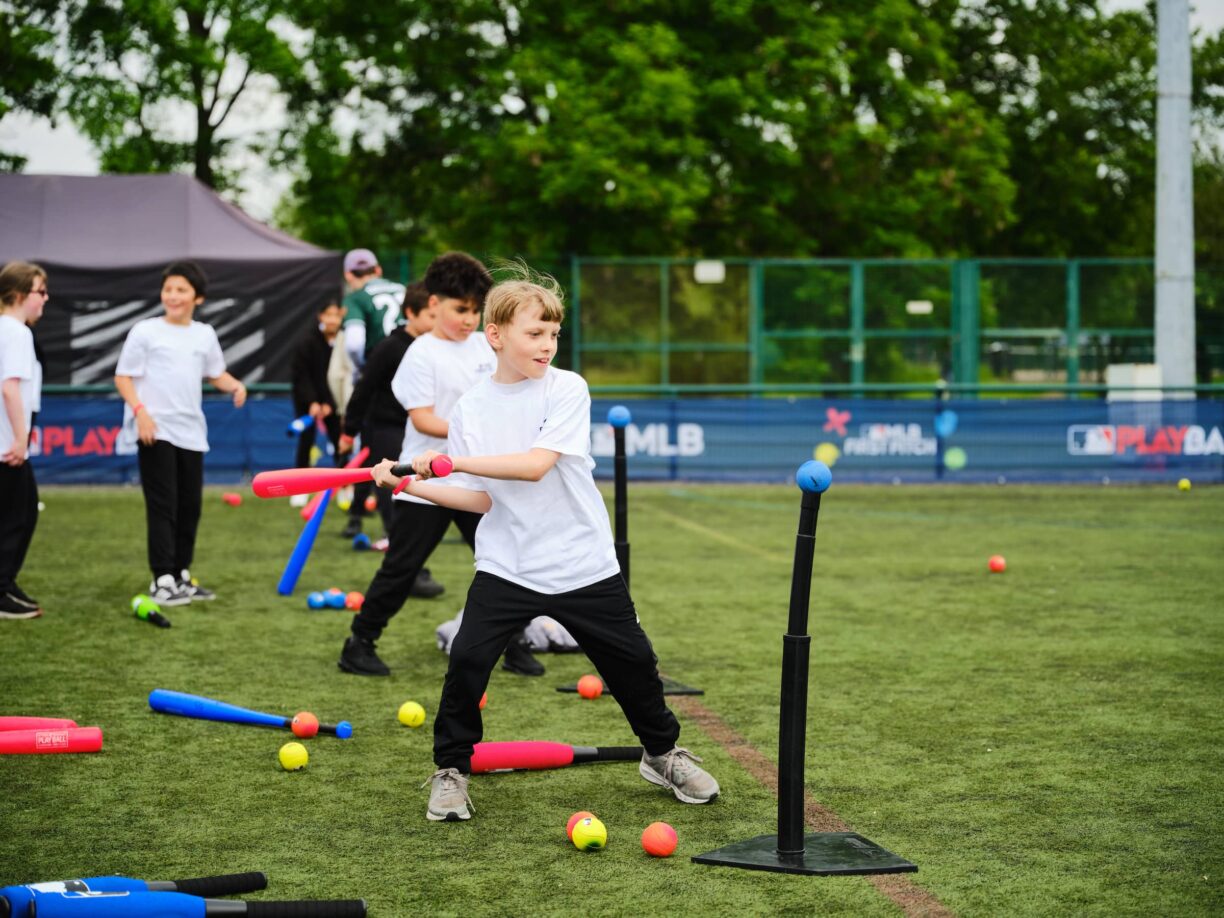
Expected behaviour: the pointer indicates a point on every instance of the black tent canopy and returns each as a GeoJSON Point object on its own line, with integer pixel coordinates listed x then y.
{"type": "Point", "coordinates": [104, 241]}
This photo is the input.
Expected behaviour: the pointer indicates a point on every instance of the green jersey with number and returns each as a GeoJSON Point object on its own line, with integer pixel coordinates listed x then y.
{"type": "Point", "coordinates": [378, 306]}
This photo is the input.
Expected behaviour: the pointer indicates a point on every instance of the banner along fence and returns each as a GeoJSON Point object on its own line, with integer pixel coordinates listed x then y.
{"type": "Point", "coordinates": [751, 438]}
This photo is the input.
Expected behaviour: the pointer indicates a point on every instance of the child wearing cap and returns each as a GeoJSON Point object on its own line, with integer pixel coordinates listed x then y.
{"type": "Point", "coordinates": [520, 443]}
{"type": "Point", "coordinates": [372, 311]}
{"type": "Point", "coordinates": [159, 372]}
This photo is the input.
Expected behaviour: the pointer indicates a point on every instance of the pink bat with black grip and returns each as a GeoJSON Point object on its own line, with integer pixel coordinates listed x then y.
{"type": "Point", "coordinates": [287, 482]}
{"type": "Point", "coordinates": [539, 754]}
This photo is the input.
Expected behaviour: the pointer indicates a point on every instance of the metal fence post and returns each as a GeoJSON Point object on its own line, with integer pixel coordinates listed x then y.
{"type": "Point", "coordinates": [1073, 320]}
{"type": "Point", "coordinates": [858, 322]}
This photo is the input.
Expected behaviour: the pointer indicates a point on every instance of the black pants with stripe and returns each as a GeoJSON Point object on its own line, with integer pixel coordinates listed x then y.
{"type": "Point", "coordinates": [172, 479]}
{"type": "Point", "coordinates": [18, 518]}
{"type": "Point", "coordinates": [603, 621]}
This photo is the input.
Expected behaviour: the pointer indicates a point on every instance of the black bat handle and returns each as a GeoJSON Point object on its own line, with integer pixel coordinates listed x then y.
{"type": "Point", "coordinates": [334, 908]}
{"type": "Point", "coordinates": [226, 885]}
{"type": "Point", "coordinates": [403, 470]}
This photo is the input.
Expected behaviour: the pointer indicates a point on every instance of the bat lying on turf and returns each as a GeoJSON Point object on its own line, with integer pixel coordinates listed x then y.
{"type": "Point", "coordinates": [179, 905]}
{"type": "Point", "coordinates": [185, 705]}
{"type": "Point", "coordinates": [287, 482]}
{"type": "Point", "coordinates": [61, 739]}
{"type": "Point", "coordinates": [20, 897]}
{"type": "Point", "coordinates": [537, 754]}
{"type": "Point", "coordinates": [35, 723]}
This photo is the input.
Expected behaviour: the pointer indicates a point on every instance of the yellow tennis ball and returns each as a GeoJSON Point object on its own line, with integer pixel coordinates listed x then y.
{"type": "Point", "coordinates": [1184, 484]}
{"type": "Point", "coordinates": [293, 756]}
{"type": "Point", "coordinates": [411, 714]}
{"type": "Point", "coordinates": [589, 834]}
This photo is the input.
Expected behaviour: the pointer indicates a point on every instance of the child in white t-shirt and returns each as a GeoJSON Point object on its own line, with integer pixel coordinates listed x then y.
{"type": "Point", "coordinates": [438, 368]}
{"type": "Point", "coordinates": [159, 376]}
{"type": "Point", "coordinates": [520, 443]}
{"type": "Point", "coordinates": [23, 294]}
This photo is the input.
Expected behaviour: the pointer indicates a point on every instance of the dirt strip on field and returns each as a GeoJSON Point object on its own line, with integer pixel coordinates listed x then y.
{"type": "Point", "coordinates": [911, 898]}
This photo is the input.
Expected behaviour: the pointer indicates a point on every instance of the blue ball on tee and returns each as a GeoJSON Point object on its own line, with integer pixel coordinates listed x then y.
{"type": "Point", "coordinates": [316, 600]}
{"type": "Point", "coordinates": [361, 542]}
{"type": "Point", "coordinates": [814, 477]}
{"type": "Point", "coordinates": [619, 416]}
{"type": "Point", "coordinates": [335, 600]}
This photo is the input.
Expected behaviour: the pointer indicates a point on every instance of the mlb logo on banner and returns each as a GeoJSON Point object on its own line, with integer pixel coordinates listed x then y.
{"type": "Point", "coordinates": [1091, 440]}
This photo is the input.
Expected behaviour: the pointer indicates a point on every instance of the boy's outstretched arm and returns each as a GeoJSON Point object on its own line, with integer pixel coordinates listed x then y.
{"type": "Point", "coordinates": [529, 466]}
{"type": "Point", "coordinates": [449, 496]}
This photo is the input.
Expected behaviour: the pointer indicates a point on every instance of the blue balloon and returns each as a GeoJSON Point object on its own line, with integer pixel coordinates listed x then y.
{"type": "Point", "coordinates": [316, 600]}
{"type": "Point", "coordinates": [335, 600]}
{"type": "Point", "coordinates": [619, 416]}
{"type": "Point", "coordinates": [945, 423]}
{"type": "Point", "coordinates": [814, 477]}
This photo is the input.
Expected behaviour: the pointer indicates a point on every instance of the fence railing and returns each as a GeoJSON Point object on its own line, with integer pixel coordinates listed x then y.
{"type": "Point", "coordinates": [785, 321]}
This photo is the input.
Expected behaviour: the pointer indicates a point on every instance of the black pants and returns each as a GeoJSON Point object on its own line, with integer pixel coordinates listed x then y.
{"type": "Point", "coordinates": [172, 479]}
{"type": "Point", "coordinates": [603, 621]}
{"type": "Point", "coordinates": [384, 443]}
{"type": "Point", "coordinates": [306, 440]}
{"type": "Point", "coordinates": [416, 530]}
{"type": "Point", "coordinates": [18, 518]}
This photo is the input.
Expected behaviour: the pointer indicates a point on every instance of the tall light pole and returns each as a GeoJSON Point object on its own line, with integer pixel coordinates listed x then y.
{"type": "Point", "coordinates": [1174, 199]}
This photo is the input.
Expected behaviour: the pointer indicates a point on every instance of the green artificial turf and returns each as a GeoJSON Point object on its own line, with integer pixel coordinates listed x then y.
{"type": "Point", "coordinates": [1043, 742]}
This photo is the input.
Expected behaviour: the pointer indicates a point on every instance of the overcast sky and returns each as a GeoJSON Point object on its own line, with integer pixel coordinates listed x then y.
{"type": "Point", "coordinates": [61, 150]}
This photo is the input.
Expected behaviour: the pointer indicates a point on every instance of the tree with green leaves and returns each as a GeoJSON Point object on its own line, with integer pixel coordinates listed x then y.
{"type": "Point", "coordinates": [132, 68]}
{"type": "Point", "coordinates": [27, 73]}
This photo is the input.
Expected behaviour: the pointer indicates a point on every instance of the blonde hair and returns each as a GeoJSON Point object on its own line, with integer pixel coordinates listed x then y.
{"type": "Point", "coordinates": [16, 281]}
{"type": "Point", "coordinates": [522, 289]}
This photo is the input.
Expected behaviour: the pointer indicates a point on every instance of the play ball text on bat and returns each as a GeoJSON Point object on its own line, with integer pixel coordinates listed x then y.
{"type": "Point", "coordinates": [335, 600]}
{"type": "Point", "coordinates": [371, 504]}
{"type": "Point", "coordinates": [411, 714]}
{"type": "Point", "coordinates": [590, 686]}
{"type": "Point", "coordinates": [1183, 484]}
{"type": "Point", "coordinates": [998, 564]}
{"type": "Point", "coordinates": [316, 600]}
{"type": "Point", "coordinates": [293, 756]}
{"type": "Point", "coordinates": [304, 725]}
{"type": "Point", "coordinates": [353, 601]}
{"type": "Point", "coordinates": [659, 839]}
{"type": "Point", "coordinates": [589, 834]}
{"type": "Point", "coordinates": [574, 820]}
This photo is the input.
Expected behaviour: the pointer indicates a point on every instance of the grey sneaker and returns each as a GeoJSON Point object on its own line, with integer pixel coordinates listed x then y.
{"type": "Point", "coordinates": [192, 588]}
{"type": "Point", "coordinates": [678, 770]}
{"type": "Point", "coordinates": [165, 591]}
{"type": "Point", "coordinates": [448, 799]}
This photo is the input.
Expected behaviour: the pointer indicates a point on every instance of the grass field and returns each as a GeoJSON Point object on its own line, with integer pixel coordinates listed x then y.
{"type": "Point", "coordinates": [1049, 741]}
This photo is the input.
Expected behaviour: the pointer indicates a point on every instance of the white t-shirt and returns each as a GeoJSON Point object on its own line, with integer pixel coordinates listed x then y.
{"type": "Point", "coordinates": [17, 361]}
{"type": "Point", "coordinates": [551, 535]}
{"type": "Point", "coordinates": [167, 363]}
{"type": "Point", "coordinates": [437, 371]}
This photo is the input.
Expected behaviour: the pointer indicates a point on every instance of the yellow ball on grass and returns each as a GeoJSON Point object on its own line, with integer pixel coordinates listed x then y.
{"type": "Point", "coordinates": [411, 714]}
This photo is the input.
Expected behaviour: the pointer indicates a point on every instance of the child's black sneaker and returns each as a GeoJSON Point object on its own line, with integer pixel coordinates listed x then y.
{"type": "Point", "coordinates": [518, 659]}
{"type": "Point", "coordinates": [358, 657]}
{"type": "Point", "coordinates": [14, 608]}
{"type": "Point", "coordinates": [192, 588]}
{"type": "Point", "coordinates": [23, 597]}
{"type": "Point", "coordinates": [165, 591]}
